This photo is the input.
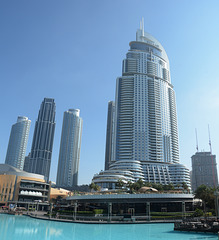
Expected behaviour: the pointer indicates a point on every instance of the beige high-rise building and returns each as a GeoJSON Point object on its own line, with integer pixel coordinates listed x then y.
{"type": "Point", "coordinates": [204, 170]}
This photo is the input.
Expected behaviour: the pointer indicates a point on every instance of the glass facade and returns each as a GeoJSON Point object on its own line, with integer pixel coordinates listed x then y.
{"type": "Point", "coordinates": [41, 150]}
{"type": "Point", "coordinates": [204, 170]}
{"type": "Point", "coordinates": [70, 147]}
{"type": "Point", "coordinates": [109, 134]}
{"type": "Point", "coordinates": [18, 143]}
{"type": "Point", "coordinates": [145, 124]}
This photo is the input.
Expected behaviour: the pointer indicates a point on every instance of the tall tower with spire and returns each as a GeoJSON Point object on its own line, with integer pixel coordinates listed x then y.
{"type": "Point", "coordinates": [145, 138]}
{"type": "Point", "coordinates": [41, 150]}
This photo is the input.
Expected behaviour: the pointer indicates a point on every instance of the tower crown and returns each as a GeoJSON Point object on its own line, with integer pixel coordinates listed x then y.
{"type": "Point", "coordinates": [142, 36]}
{"type": "Point", "coordinates": [76, 112]}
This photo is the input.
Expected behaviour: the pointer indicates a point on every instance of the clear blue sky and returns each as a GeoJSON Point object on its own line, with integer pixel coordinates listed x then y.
{"type": "Point", "coordinates": [73, 50]}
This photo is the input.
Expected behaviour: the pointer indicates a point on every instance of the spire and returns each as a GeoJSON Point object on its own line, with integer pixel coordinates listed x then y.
{"type": "Point", "coordinates": [142, 26]}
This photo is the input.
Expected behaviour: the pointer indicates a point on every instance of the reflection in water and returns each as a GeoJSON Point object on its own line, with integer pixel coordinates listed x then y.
{"type": "Point", "coordinates": [55, 232]}
{"type": "Point", "coordinates": [26, 231]}
{"type": "Point", "coordinates": [25, 228]}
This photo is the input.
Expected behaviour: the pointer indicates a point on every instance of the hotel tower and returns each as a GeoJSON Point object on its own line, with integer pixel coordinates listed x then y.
{"type": "Point", "coordinates": [144, 132]}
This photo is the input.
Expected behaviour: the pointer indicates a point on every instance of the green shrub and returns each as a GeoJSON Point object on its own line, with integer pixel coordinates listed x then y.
{"type": "Point", "coordinates": [155, 215]}
{"type": "Point", "coordinates": [65, 212]}
{"type": "Point", "coordinates": [209, 214]}
{"type": "Point", "coordinates": [166, 213]}
{"type": "Point", "coordinates": [198, 213]}
{"type": "Point", "coordinates": [98, 211]}
{"type": "Point", "coordinates": [85, 213]}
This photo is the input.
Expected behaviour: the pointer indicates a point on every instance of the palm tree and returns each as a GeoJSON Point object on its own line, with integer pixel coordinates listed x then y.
{"type": "Point", "coordinates": [120, 183]}
{"type": "Point", "coordinates": [130, 185]}
{"type": "Point", "coordinates": [140, 183]}
{"type": "Point", "coordinates": [185, 186]}
{"type": "Point", "coordinates": [137, 185]}
{"type": "Point", "coordinates": [94, 186]}
{"type": "Point", "coordinates": [97, 187]}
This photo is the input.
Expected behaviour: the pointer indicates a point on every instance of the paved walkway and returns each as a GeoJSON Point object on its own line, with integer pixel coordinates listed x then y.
{"type": "Point", "coordinates": [42, 215]}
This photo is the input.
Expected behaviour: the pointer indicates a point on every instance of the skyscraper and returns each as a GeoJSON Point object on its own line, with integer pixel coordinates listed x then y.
{"type": "Point", "coordinates": [41, 150]}
{"type": "Point", "coordinates": [204, 170]}
{"type": "Point", "coordinates": [26, 163]}
{"type": "Point", "coordinates": [145, 136]}
{"type": "Point", "coordinates": [18, 143]}
{"type": "Point", "coordinates": [70, 146]}
{"type": "Point", "coordinates": [109, 134]}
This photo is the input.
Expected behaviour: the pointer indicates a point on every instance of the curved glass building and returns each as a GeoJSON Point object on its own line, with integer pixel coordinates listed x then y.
{"type": "Point", "coordinates": [145, 134]}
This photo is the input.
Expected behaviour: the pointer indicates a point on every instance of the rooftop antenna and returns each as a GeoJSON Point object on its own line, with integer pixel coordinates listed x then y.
{"type": "Point", "coordinates": [209, 139]}
{"type": "Point", "coordinates": [212, 161]}
{"type": "Point", "coordinates": [196, 140]}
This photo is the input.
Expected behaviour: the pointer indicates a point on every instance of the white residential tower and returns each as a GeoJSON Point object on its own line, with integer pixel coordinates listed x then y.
{"type": "Point", "coordinates": [70, 146]}
{"type": "Point", "coordinates": [18, 143]}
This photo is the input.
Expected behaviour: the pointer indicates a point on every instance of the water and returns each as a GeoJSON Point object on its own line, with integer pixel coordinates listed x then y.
{"type": "Point", "coordinates": [26, 228]}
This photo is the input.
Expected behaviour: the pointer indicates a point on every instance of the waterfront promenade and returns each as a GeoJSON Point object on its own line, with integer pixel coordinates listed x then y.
{"type": "Point", "coordinates": [95, 219]}
{"type": "Point", "coordinates": [198, 225]}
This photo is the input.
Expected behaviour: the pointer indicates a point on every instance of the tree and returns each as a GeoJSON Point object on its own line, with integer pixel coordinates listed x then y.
{"type": "Point", "coordinates": [94, 186]}
{"type": "Point", "coordinates": [198, 212]}
{"type": "Point", "coordinates": [148, 184]}
{"type": "Point", "coordinates": [91, 186]}
{"type": "Point", "coordinates": [168, 187]}
{"type": "Point", "coordinates": [171, 186]}
{"type": "Point", "coordinates": [130, 185]}
{"type": "Point", "coordinates": [139, 184]}
{"type": "Point", "coordinates": [120, 183]}
{"type": "Point", "coordinates": [185, 186]}
{"type": "Point", "coordinates": [158, 186]}
{"type": "Point", "coordinates": [178, 185]}
{"type": "Point", "coordinates": [97, 187]}
{"type": "Point", "coordinates": [206, 194]}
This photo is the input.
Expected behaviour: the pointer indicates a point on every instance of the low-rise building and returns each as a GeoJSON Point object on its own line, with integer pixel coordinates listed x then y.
{"type": "Point", "coordinates": [135, 204]}
{"type": "Point", "coordinates": [23, 189]}
{"type": "Point", "coordinates": [58, 192]}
